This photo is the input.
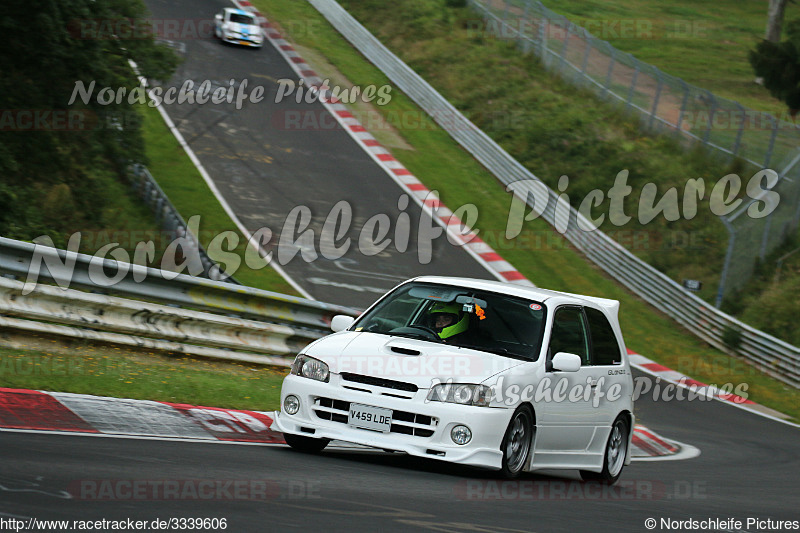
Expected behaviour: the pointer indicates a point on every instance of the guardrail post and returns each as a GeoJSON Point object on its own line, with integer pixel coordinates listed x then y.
{"type": "Point", "coordinates": [723, 278]}
{"type": "Point", "coordinates": [588, 37]}
{"type": "Point", "coordinates": [654, 110]}
{"type": "Point", "coordinates": [683, 106]}
{"type": "Point", "coordinates": [544, 23]}
{"type": "Point", "coordinates": [563, 54]}
{"type": "Point", "coordinates": [768, 155]}
{"type": "Point", "coordinates": [765, 236]}
{"type": "Point", "coordinates": [737, 143]}
{"type": "Point", "coordinates": [707, 134]}
{"type": "Point", "coordinates": [796, 217]}
{"type": "Point", "coordinates": [522, 38]}
{"type": "Point", "coordinates": [610, 68]}
{"type": "Point", "coordinates": [632, 87]}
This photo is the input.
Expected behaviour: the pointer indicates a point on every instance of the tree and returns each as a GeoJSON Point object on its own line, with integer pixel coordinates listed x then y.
{"type": "Point", "coordinates": [775, 13]}
{"type": "Point", "coordinates": [46, 156]}
{"type": "Point", "coordinates": [779, 66]}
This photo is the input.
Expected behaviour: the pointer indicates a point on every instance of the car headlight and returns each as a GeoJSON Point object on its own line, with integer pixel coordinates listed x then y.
{"type": "Point", "coordinates": [463, 394]}
{"type": "Point", "coordinates": [311, 368]}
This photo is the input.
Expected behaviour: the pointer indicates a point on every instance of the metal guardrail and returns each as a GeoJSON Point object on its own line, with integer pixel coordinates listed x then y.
{"type": "Point", "coordinates": [218, 315]}
{"type": "Point", "coordinates": [148, 189]}
{"type": "Point", "coordinates": [668, 105]}
{"type": "Point", "coordinates": [109, 319]}
{"type": "Point", "coordinates": [767, 352]}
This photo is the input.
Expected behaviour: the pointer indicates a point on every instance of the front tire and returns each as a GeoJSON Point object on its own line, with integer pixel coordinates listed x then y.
{"type": "Point", "coordinates": [517, 443]}
{"type": "Point", "coordinates": [305, 444]}
{"type": "Point", "coordinates": [614, 456]}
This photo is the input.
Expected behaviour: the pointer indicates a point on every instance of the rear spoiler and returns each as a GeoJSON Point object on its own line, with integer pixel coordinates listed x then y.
{"type": "Point", "coordinates": [612, 306]}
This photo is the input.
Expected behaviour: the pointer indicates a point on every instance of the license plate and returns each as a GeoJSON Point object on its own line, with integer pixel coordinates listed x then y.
{"type": "Point", "coordinates": [368, 417]}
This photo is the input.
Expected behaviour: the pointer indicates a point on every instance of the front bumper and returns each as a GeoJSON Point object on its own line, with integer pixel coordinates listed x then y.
{"type": "Point", "coordinates": [242, 40]}
{"type": "Point", "coordinates": [488, 424]}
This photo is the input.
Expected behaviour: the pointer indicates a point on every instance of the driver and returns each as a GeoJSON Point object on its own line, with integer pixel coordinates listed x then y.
{"type": "Point", "coordinates": [448, 320]}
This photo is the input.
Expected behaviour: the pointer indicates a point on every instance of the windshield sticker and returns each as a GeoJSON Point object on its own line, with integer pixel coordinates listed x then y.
{"type": "Point", "coordinates": [536, 307]}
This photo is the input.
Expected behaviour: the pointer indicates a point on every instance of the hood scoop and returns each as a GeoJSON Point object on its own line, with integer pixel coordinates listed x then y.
{"type": "Point", "coordinates": [404, 351]}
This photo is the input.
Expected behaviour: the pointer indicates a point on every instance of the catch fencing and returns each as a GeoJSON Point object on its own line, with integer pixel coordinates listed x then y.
{"type": "Point", "coordinates": [668, 105]}
{"type": "Point", "coordinates": [719, 329]}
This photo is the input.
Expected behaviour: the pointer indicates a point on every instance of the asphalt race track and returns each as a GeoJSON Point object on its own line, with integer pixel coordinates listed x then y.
{"type": "Point", "coordinates": [268, 158]}
{"type": "Point", "coordinates": [748, 467]}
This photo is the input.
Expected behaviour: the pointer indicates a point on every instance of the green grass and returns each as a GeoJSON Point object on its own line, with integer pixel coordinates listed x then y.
{"type": "Point", "coordinates": [538, 253]}
{"type": "Point", "coordinates": [120, 373]}
{"type": "Point", "coordinates": [705, 43]}
{"type": "Point", "coordinates": [190, 194]}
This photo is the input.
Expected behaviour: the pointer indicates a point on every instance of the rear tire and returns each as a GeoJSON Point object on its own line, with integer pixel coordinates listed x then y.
{"type": "Point", "coordinates": [517, 443]}
{"type": "Point", "coordinates": [305, 444]}
{"type": "Point", "coordinates": [614, 456]}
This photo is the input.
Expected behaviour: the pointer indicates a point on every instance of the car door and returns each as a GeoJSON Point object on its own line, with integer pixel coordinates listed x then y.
{"type": "Point", "coordinates": [608, 372]}
{"type": "Point", "coordinates": [567, 419]}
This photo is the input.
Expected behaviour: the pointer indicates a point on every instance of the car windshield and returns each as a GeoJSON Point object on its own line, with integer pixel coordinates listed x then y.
{"type": "Point", "coordinates": [242, 19]}
{"type": "Point", "coordinates": [469, 318]}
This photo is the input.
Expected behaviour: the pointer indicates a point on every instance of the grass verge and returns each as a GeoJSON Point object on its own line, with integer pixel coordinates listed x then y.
{"type": "Point", "coordinates": [706, 44]}
{"type": "Point", "coordinates": [538, 252]}
{"type": "Point", "coordinates": [189, 193]}
{"type": "Point", "coordinates": [121, 373]}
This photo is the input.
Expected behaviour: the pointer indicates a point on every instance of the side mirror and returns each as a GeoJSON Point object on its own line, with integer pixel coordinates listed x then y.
{"type": "Point", "coordinates": [341, 323]}
{"type": "Point", "coordinates": [218, 16]}
{"type": "Point", "coordinates": [566, 362]}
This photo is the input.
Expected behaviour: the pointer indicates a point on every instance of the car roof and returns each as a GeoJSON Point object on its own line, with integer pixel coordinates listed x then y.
{"type": "Point", "coordinates": [238, 11]}
{"type": "Point", "coordinates": [523, 291]}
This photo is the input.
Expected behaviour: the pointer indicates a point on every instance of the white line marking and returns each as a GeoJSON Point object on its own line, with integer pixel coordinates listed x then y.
{"type": "Point", "coordinates": [210, 182]}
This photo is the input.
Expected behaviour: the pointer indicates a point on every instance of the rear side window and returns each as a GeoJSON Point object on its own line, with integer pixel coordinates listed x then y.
{"type": "Point", "coordinates": [605, 348]}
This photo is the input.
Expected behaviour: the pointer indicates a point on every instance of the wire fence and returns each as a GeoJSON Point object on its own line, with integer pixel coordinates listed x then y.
{"type": "Point", "coordinates": [668, 105]}
{"type": "Point", "coordinates": [777, 357]}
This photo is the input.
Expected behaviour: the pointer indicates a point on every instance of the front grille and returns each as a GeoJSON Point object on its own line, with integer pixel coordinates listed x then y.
{"type": "Point", "coordinates": [379, 382]}
{"type": "Point", "coordinates": [403, 422]}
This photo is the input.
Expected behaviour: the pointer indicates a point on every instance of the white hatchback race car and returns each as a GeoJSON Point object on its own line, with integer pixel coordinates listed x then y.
{"type": "Point", "coordinates": [474, 372]}
{"type": "Point", "coordinates": [238, 27]}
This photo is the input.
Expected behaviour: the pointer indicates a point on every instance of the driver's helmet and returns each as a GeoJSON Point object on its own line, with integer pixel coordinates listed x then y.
{"type": "Point", "coordinates": [457, 323]}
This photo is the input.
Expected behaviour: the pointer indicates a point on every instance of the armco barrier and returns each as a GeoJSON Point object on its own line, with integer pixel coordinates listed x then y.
{"type": "Point", "coordinates": [79, 270]}
{"type": "Point", "coordinates": [148, 320]}
{"type": "Point", "coordinates": [263, 311]}
{"type": "Point", "coordinates": [149, 191]}
{"type": "Point", "coordinates": [779, 358]}
{"type": "Point", "coordinates": [137, 322]}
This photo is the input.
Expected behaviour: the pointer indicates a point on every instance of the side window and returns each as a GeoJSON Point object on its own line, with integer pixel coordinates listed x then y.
{"type": "Point", "coordinates": [569, 333]}
{"type": "Point", "coordinates": [604, 342]}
